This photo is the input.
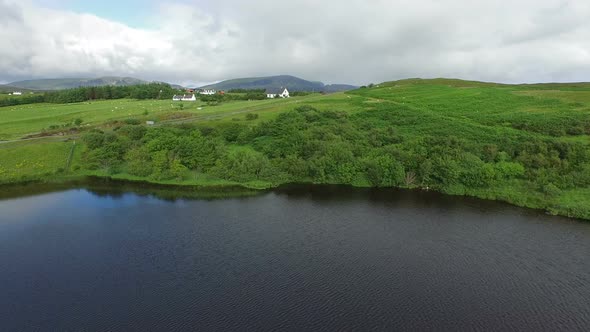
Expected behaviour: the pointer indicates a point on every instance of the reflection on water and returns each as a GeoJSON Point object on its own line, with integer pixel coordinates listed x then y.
{"type": "Point", "coordinates": [299, 257]}
{"type": "Point", "coordinates": [103, 187]}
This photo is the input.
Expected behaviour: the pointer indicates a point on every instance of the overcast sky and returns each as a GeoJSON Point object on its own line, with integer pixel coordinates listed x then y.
{"type": "Point", "coordinates": [334, 41]}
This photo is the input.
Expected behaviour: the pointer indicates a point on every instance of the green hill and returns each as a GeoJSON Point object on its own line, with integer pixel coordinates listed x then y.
{"type": "Point", "coordinates": [526, 144]}
{"type": "Point", "coordinates": [291, 82]}
{"type": "Point", "coordinates": [339, 87]}
{"type": "Point", "coordinates": [68, 83]}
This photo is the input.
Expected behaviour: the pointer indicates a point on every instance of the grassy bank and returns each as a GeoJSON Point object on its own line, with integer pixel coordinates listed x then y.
{"type": "Point", "coordinates": [51, 177]}
{"type": "Point", "coordinates": [523, 144]}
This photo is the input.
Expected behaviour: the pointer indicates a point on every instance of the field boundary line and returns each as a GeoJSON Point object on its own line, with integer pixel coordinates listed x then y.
{"type": "Point", "coordinates": [69, 161]}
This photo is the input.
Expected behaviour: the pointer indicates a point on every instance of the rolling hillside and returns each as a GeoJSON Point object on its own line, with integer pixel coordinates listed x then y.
{"type": "Point", "coordinates": [291, 82]}
{"type": "Point", "coordinates": [523, 144]}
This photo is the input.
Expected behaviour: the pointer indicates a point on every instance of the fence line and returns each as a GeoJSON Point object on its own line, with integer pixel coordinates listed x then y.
{"type": "Point", "coordinates": [69, 161]}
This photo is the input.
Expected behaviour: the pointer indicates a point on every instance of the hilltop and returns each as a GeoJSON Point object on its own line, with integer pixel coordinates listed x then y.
{"type": "Point", "coordinates": [291, 82]}
{"type": "Point", "coordinates": [69, 83]}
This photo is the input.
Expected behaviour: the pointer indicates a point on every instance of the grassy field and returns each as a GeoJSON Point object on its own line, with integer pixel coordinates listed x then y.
{"type": "Point", "coordinates": [19, 121]}
{"type": "Point", "coordinates": [494, 109]}
{"type": "Point", "coordinates": [485, 113]}
{"type": "Point", "coordinates": [20, 161]}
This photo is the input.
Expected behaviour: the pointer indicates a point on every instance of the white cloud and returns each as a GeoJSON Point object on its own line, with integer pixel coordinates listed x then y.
{"type": "Point", "coordinates": [357, 41]}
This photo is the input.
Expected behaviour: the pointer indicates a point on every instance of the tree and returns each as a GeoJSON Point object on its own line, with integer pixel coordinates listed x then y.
{"type": "Point", "coordinates": [160, 165]}
{"type": "Point", "coordinates": [384, 171]}
{"type": "Point", "coordinates": [551, 190]}
{"type": "Point", "coordinates": [177, 169]}
{"type": "Point", "coordinates": [139, 162]}
{"type": "Point", "coordinates": [446, 171]}
{"type": "Point", "coordinates": [244, 165]}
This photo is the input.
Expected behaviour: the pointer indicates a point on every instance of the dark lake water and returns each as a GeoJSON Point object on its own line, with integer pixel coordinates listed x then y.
{"type": "Point", "coordinates": [303, 258]}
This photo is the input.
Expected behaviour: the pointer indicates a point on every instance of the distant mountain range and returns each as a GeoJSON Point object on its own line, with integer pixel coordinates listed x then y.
{"type": "Point", "coordinates": [69, 83]}
{"type": "Point", "coordinates": [290, 82]}
{"type": "Point", "coordinates": [6, 88]}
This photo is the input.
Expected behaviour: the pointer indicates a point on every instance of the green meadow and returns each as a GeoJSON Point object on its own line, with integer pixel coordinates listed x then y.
{"type": "Point", "coordinates": [30, 160]}
{"type": "Point", "coordinates": [525, 144]}
{"type": "Point", "coordinates": [19, 121]}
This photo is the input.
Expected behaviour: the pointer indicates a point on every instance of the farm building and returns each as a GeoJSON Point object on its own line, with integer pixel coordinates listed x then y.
{"type": "Point", "coordinates": [208, 92]}
{"type": "Point", "coordinates": [277, 93]}
{"type": "Point", "coordinates": [17, 93]}
{"type": "Point", "coordinates": [184, 98]}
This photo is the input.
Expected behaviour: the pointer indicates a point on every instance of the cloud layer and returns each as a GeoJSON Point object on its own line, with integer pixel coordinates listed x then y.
{"type": "Point", "coordinates": [356, 41]}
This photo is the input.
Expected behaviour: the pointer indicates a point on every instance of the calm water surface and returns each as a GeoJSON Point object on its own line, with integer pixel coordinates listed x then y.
{"type": "Point", "coordinates": [304, 258]}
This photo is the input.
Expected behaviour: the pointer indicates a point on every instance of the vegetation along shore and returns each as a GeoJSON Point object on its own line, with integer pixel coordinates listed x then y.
{"type": "Point", "coordinates": [528, 145]}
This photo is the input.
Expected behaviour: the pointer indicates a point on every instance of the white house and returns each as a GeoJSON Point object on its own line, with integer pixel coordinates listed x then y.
{"type": "Point", "coordinates": [208, 92]}
{"type": "Point", "coordinates": [184, 98]}
{"type": "Point", "coordinates": [17, 93]}
{"type": "Point", "coordinates": [277, 93]}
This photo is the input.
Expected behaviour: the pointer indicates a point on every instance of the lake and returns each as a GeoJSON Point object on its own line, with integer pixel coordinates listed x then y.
{"type": "Point", "coordinates": [296, 258]}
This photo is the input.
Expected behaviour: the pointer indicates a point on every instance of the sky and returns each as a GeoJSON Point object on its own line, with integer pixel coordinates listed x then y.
{"type": "Point", "coordinates": [194, 42]}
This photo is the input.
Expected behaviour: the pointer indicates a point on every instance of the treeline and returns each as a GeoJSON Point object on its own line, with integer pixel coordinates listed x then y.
{"type": "Point", "coordinates": [30, 99]}
{"type": "Point", "coordinates": [246, 91]}
{"type": "Point", "coordinates": [81, 94]}
{"type": "Point", "coordinates": [262, 92]}
{"type": "Point", "coordinates": [219, 98]}
{"type": "Point", "coordinates": [307, 145]}
{"type": "Point", "coordinates": [242, 94]}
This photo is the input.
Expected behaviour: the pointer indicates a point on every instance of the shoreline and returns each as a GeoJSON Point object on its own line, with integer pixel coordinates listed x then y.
{"type": "Point", "coordinates": [111, 185]}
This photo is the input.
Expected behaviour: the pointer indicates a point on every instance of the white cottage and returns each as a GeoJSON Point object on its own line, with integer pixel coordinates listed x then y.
{"type": "Point", "coordinates": [17, 93]}
{"type": "Point", "coordinates": [208, 92]}
{"type": "Point", "coordinates": [184, 98]}
{"type": "Point", "coordinates": [277, 93]}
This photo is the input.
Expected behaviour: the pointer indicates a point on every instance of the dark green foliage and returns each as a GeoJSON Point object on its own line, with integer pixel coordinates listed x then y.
{"type": "Point", "coordinates": [393, 144]}
{"type": "Point", "coordinates": [384, 171]}
{"type": "Point", "coordinates": [134, 132]}
{"type": "Point", "coordinates": [132, 121]}
{"type": "Point", "coordinates": [299, 93]}
{"type": "Point", "coordinates": [93, 139]}
{"type": "Point", "coordinates": [246, 91]}
{"type": "Point", "coordinates": [333, 147]}
{"type": "Point", "coordinates": [139, 161]}
{"type": "Point", "coordinates": [106, 151]}
{"type": "Point", "coordinates": [251, 116]}
{"type": "Point", "coordinates": [32, 99]}
{"type": "Point", "coordinates": [243, 165]}
{"type": "Point", "coordinates": [551, 190]}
